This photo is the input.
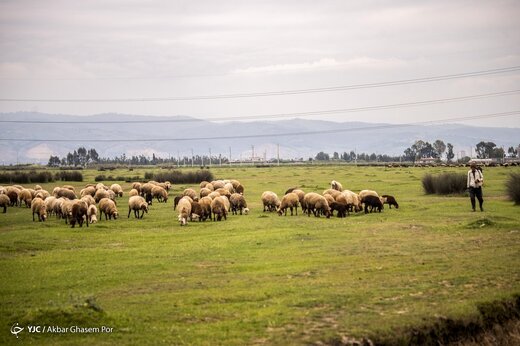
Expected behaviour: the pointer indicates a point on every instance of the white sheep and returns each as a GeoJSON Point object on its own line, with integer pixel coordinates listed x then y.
{"type": "Point", "coordinates": [137, 203]}
{"type": "Point", "coordinates": [118, 190]}
{"type": "Point", "coordinates": [184, 209]}
{"type": "Point", "coordinates": [108, 206]}
{"type": "Point", "coordinates": [38, 207]}
{"type": "Point", "coordinates": [270, 201]}
{"type": "Point", "coordinates": [336, 185]}
{"type": "Point", "coordinates": [92, 213]}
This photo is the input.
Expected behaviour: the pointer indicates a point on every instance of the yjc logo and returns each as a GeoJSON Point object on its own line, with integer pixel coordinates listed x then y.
{"type": "Point", "coordinates": [15, 329]}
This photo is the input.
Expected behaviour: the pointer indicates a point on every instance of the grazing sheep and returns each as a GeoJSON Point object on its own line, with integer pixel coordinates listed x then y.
{"type": "Point", "coordinates": [88, 199]}
{"type": "Point", "coordinates": [4, 202]}
{"type": "Point", "coordinates": [341, 207]}
{"type": "Point", "coordinates": [101, 186]}
{"type": "Point", "coordinates": [353, 200]}
{"type": "Point", "coordinates": [38, 207]}
{"type": "Point", "coordinates": [230, 188]}
{"type": "Point", "coordinates": [218, 208]}
{"type": "Point", "coordinates": [137, 203]}
{"type": "Point", "coordinates": [88, 191]}
{"type": "Point", "coordinates": [118, 190]}
{"type": "Point", "coordinates": [204, 192]}
{"type": "Point", "coordinates": [238, 203]}
{"type": "Point", "coordinates": [390, 200]}
{"type": "Point", "coordinates": [147, 188]}
{"type": "Point", "coordinates": [332, 192]}
{"type": "Point", "coordinates": [184, 209]}
{"type": "Point", "coordinates": [223, 192]}
{"type": "Point", "coordinates": [133, 192]}
{"type": "Point", "coordinates": [240, 189]}
{"type": "Point", "coordinates": [107, 206]}
{"type": "Point", "coordinates": [37, 187]}
{"type": "Point", "coordinates": [69, 187]}
{"type": "Point", "coordinates": [79, 213]}
{"type": "Point", "coordinates": [26, 197]}
{"type": "Point", "coordinates": [270, 201]}
{"type": "Point", "coordinates": [205, 205]}
{"type": "Point", "coordinates": [43, 194]}
{"type": "Point", "coordinates": [214, 195]}
{"type": "Point", "coordinates": [291, 189]}
{"type": "Point", "coordinates": [64, 192]}
{"type": "Point", "coordinates": [49, 204]}
{"type": "Point", "coordinates": [92, 213]}
{"type": "Point", "coordinates": [290, 200]}
{"type": "Point", "coordinates": [203, 184]}
{"type": "Point", "coordinates": [317, 204]}
{"type": "Point", "coordinates": [217, 184]}
{"type": "Point", "coordinates": [210, 186]}
{"type": "Point", "coordinates": [160, 193]}
{"type": "Point", "coordinates": [372, 202]}
{"type": "Point", "coordinates": [196, 211]}
{"type": "Point", "coordinates": [336, 185]}
{"type": "Point", "coordinates": [301, 195]}
{"type": "Point", "coordinates": [13, 197]}
{"type": "Point", "coordinates": [100, 194]}
{"type": "Point", "coordinates": [364, 193]}
{"type": "Point", "coordinates": [235, 183]}
{"type": "Point", "coordinates": [176, 200]}
{"type": "Point", "coordinates": [329, 198]}
{"type": "Point", "coordinates": [66, 209]}
{"type": "Point", "coordinates": [137, 186]}
{"type": "Point", "coordinates": [190, 193]}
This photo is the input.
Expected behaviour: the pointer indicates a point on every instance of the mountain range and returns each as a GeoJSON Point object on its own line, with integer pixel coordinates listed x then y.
{"type": "Point", "coordinates": [31, 137]}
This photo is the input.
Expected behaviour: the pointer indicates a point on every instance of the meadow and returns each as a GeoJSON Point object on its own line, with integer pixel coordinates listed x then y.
{"type": "Point", "coordinates": [263, 278]}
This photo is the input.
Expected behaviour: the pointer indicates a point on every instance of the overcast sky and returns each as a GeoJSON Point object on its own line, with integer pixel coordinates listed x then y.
{"type": "Point", "coordinates": [120, 49]}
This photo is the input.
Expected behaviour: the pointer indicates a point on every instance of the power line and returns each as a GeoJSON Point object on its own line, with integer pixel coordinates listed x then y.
{"type": "Point", "coordinates": [302, 133]}
{"type": "Point", "coordinates": [278, 115]}
{"type": "Point", "coordinates": [273, 93]}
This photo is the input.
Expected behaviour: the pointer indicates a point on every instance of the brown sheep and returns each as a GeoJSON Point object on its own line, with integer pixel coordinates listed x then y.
{"type": "Point", "coordinates": [118, 190]}
{"type": "Point", "coordinates": [160, 193]}
{"type": "Point", "coordinates": [4, 202]}
{"type": "Point", "coordinates": [100, 194]}
{"type": "Point", "coordinates": [203, 184]}
{"type": "Point", "coordinates": [390, 200]}
{"type": "Point", "coordinates": [290, 201]}
{"type": "Point", "coordinates": [26, 197]}
{"type": "Point", "coordinates": [336, 185]}
{"type": "Point", "coordinates": [317, 204]}
{"type": "Point", "coordinates": [137, 186]}
{"type": "Point", "coordinates": [190, 193]}
{"type": "Point", "coordinates": [13, 197]}
{"type": "Point", "coordinates": [64, 192]}
{"type": "Point", "coordinates": [133, 192]}
{"type": "Point", "coordinates": [218, 208]}
{"type": "Point", "coordinates": [196, 211]}
{"type": "Point", "coordinates": [204, 192]}
{"type": "Point", "coordinates": [79, 213]}
{"type": "Point", "coordinates": [107, 206]}
{"type": "Point", "coordinates": [205, 205]}
{"type": "Point", "coordinates": [240, 189]}
{"type": "Point", "coordinates": [38, 207]}
{"type": "Point", "coordinates": [88, 191]}
{"type": "Point", "coordinates": [270, 201]}
{"type": "Point", "coordinates": [238, 203]}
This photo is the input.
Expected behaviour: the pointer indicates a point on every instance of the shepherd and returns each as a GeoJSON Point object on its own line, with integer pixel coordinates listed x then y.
{"type": "Point", "coordinates": [474, 185]}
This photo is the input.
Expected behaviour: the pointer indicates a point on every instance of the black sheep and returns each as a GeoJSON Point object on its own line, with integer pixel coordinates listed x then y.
{"type": "Point", "coordinates": [341, 208]}
{"type": "Point", "coordinates": [390, 200]}
{"type": "Point", "coordinates": [372, 202]}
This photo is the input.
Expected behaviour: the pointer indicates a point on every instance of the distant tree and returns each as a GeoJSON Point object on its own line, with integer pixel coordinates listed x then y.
{"type": "Point", "coordinates": [497, 153]}
{"type": "Point", "coordinates": [70, 159]}
{"type": "Point", "coordinates": [512, 152]}
{"type": "Point", "coordinates": [410, 154]}
{"type": "Point", "coordinates": [82, 156]}
{"type": "Point", "coordinates": [321, 156]}
{"type": "Point", "coordinates": [373, 157]}
{"type": "Point", "coordinates": [485, 150]}
{"type": "Point", "coordinates": [450, 155]}
{"type": "Point", "coordinates": [439, 147]}
{"type": "Point", "coordinates": [54, 161]}
{"type": "Point", "coordinates": [335, 156]}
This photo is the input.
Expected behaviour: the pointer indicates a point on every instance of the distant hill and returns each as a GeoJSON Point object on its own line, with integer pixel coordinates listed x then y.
{"type": "Point", "coordinates": [199, 136]}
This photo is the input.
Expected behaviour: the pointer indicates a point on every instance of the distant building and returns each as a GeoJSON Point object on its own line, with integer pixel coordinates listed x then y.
{"type": "Point", "coordinates": [426, 160]}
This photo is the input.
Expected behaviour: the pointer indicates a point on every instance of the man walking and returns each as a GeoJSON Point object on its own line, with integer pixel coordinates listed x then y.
{"type": "Point", "coordinates": [474, 184]}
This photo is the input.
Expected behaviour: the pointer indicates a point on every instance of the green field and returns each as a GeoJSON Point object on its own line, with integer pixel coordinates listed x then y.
{"type": "Point", "coordinates": [263, 278]}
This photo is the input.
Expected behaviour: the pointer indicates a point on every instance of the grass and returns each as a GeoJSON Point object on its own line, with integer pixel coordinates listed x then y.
{"type": "Point", "coordinates": [262, 278]}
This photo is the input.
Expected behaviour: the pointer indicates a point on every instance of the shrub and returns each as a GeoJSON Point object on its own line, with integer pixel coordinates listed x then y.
{"type": "Point", "coordinates": [513, 187]}
{"type": "Point", "coordinates": [444, 184]}
{"type": "Point", "coordinates": [178, 177]}
{"type": "Point", "coordinates": [69, 176]}
{"type": "Point", "coordinates": [26, 177]}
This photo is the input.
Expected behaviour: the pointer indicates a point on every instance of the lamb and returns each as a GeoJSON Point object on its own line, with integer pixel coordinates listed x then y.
{"type": "Point", "coordinates": [372, 202]}
{"type": "Point", "coordinates": [238, 202]}
{"type": "Point", "coordinates": [92, 213]}
{"type": "Point", "coordinates": [270, 201]}
{"type": "Point", "coordinates": [336, 185]}
{"type": "Point", "coordinates": [184, 209]}
{"type": "Point", "coordinates": [26, 197]}
{"type": "Point", "coordinates": [107, 206]}
{"type": "Point", "coordinates": [4, 202]}
{"type": "Point", "coordinates": [290, 200]}
{"type": "Point", "coordinates": [133, 192]}
{"type": "Point", "coordinates": [118, 190]}
{"type": "Point", "coordinates": [38, 207]}
{"type": "Point", "coordinates": [317, 204]}
{"type": "Point", "coordinates": [218, 208]}
{"type": "Point", "coordinates": [390, 200]}
{"type": "Point", "coordinates": [160, 193]}
{"type": "Point", "coordinates": [137, 203]}
{"type": "Point", "coordinates": [79, 213]}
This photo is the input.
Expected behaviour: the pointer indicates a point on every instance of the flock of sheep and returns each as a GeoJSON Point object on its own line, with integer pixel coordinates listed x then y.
{"type": "Point", "coordinates": [331, 200]}
{"type": "Point", "coordinates": [213, 201]}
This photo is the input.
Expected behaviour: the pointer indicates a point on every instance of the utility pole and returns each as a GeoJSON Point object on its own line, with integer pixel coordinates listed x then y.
{"type": "Point", "coordinates": [278, 153]}
{"type": "Point", "coordinates": [191, 157]}
{"type": "Point", "coordinates": [253, 155]}
{"type": "Point", "coordinates": [209, 157]}
{"type": "Point", "coordinates": [229, 161]}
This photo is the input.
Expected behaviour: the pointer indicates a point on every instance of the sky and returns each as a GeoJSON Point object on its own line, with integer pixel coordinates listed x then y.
{"type": "Point", "coordinates": [88, 54]}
